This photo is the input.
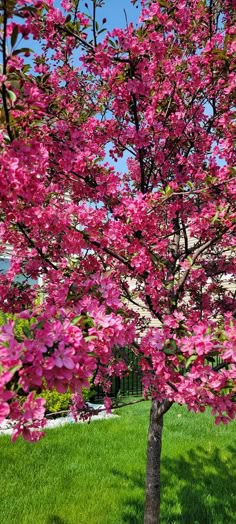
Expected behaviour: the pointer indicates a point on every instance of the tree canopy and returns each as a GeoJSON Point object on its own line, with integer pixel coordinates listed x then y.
{"type": "Point", "coordinates": [160, 96]}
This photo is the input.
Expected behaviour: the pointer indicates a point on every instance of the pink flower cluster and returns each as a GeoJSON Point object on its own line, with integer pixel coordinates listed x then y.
{"type": "Point", "coordinates": [104, 255]}
{"type": "Point", "coordinates": [61, 354]}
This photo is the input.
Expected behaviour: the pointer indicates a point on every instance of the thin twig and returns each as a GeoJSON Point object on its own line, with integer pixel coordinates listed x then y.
{"type": "Point", "coordinates": [94, 23]}
{"type": "Point", "coordinates": [4, 70]}
{"type": "Point", "coordinates": [33, 245]}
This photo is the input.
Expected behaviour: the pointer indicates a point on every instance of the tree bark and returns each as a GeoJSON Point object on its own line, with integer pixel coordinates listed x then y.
{"type": "Point", "coordinates": [153, 470]}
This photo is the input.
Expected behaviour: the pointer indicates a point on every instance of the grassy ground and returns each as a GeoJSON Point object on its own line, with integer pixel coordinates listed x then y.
{"type": "Point", "coordinates": [94, 474]}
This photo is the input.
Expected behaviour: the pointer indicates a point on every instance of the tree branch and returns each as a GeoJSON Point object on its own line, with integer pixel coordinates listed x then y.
{"type": "Point", "coordinates": [33, 245]}
{"type": "Point", "coordinates": [200, 250]}
{"type": "Point", "coordinates": [164, 406]}
{"type": "Point", "coordinates": [107, 250]}
{"type": "Point", "coordinates": [83, 42]}
{"type": "Point", "coordinates": [4, 70]}
{"type": "Point", "coordinates": [94, 23]}
{"type": "Point", "coordinates": [220, 366]}
{"type": "Point", "coordinates": [140, 150]}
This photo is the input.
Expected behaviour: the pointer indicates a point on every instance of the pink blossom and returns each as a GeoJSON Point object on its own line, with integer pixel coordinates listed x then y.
{"type": "Point", "coordinates": [108, 404]}
{"type": "Point", "coordinates": [4, 411]}
{"type": "Point", "coordinates": [117, 194]}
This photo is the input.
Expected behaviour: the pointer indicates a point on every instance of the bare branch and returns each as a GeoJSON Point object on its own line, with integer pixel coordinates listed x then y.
{"type": "Point", "coordinates": [4, 70]}
{"type": "Point", "coordinates": [33, 245]}
{"type": "Point", "coordinates": [200, 250]}
{"type": "Point", "coordinates": [94, 23]}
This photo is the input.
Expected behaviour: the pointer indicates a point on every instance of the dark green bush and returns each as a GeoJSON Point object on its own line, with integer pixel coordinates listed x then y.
{"type": "Point", "coordinates": [62, 401]}
{"type": "Point", "coordinates": [56, 401]}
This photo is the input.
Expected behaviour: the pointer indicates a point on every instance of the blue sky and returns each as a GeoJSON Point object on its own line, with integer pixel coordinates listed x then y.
{"type": "Point", "coordinates": [113, 10]}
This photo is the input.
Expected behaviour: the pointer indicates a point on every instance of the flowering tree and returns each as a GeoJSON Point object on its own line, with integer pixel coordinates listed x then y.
{"type": "Point", "coordinates": [161, 96]}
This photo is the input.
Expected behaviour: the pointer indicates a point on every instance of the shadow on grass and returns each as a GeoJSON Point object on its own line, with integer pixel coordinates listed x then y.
{"type": "Point", "coordinates": [198, 487]}
{"type": "Point", "coordinates": [54, 519]}
{"type": "Point", "coordinates": [133, 503]}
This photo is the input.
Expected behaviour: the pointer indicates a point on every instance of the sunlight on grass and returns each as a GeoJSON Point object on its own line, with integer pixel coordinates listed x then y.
{"type": "Point", "coordinates": [94, 474]}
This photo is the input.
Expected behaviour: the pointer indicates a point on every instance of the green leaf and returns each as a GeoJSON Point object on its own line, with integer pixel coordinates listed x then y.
{"type": "Point", "coordinates": [92, 354]}
{"type": "Point", "coordinates": [26, 331]}
{"type": "Point", "coordinates": [76, 319]}
{"type": "Point", "coordinates": [70, 26]}
{"type": "Point", "coordinates": [85, 320]}
{"type": "Point", "coordinates": [112, 43]}
{"type": "Point", "coordinates": [11, 95]}
{"type": "Point", "coordinates": [168, 191]}
{"type": "Point", "coordinates": [26, 68]}
{"type": "Point", "coordinates": [45, 77]}
{"type": "Point", "coordinates": [14, 36]}
{"type": "Point", "coordinates": [88, 322]}
{"type": "Point", "coordinates": [22, 50]}
{"type": "Point", "coordinates": [173, 345]}
{"type": "Point", "coordinates": [216, 217]}
{"type": "Point", "coordinates": [190, 360]}
{"type": "Point", "coordinates": [190, 184]}
{"type": "Point", "coordinates": [39, 325]}
{"type": "Point", "coordinates": [168, 351]}
{"type": "Point", "coordinates": [15, 368]}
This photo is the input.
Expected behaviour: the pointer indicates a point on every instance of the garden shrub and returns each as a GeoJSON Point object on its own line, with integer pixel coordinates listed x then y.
{"type": "Point", "coordinates": [61, 401]}
{"type": "Point", "coordinates": [56, 401]}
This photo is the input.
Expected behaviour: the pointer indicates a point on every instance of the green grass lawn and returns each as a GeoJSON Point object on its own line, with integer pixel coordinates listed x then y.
{"type": "Point", "coordinates": [94, 474]}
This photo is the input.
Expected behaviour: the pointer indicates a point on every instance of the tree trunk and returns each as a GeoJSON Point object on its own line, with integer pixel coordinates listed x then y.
{"type": "Point", "coordinates": [153, 471]}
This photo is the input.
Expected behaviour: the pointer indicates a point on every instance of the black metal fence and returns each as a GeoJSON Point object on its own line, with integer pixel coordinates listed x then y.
{"type": "Point", "coordinates": [127, 385]}
{"type": "Point", "coordinates": [131, 384]}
